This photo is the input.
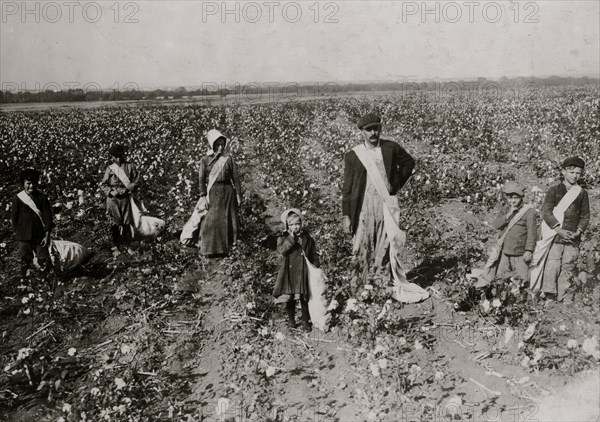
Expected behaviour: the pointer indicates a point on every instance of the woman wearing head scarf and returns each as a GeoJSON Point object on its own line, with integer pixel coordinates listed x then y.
{"type": "Point", "coordinates": [220, 186]}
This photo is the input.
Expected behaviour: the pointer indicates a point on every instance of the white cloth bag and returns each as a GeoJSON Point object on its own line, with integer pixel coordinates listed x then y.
{"type": "Point", "coordinates": [317, 304]}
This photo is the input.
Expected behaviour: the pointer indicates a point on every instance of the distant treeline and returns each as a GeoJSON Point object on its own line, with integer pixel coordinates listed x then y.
{"type": "Point", "coordinates": [320, 89]}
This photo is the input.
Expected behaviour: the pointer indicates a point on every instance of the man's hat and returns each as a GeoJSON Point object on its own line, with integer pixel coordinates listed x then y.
{"type": "Point", "coordinates": [513, 187]}
{"type": "Point", "coordinates": [573, 161]}
{"type": "Point", "coordinates": [117, 150]}
{"type": "Point", "coordinates": [284, 215]}
{"type": "Point", "coordinates": [368, 120]}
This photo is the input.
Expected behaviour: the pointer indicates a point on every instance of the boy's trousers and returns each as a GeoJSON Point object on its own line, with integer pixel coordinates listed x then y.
{"type": "Point", "coordinates": [559, 268]}
{"type": "Point", "coordinates": [512, 264]}
{"type": "Point", "coordinates": [26, 251]}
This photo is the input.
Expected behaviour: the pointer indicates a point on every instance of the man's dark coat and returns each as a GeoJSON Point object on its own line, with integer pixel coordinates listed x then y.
{"type": "Point", "coordinates": [398, 167]}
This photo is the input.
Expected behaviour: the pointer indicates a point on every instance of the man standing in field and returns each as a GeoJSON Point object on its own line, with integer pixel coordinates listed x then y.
{"type": "Point", "coordinates": [374, 172]}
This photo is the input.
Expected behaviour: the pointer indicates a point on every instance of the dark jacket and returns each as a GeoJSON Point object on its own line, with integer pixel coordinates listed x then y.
{"type": "Point", "coordinates": [523, 234]}
{"type": "Point", "coordinates": [577, 216]}
{"type": "Point", "coordinates": [398, 167]}
{"type": "Point", "coordinates": [293, 273]}
{"type": "Point", "coordinates": [25, 221]}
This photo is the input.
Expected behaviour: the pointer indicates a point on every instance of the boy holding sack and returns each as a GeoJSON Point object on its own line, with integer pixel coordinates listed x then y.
{"type": "Point", "coordinates": [566, 213]}
{"type": "Point", "coordinates": [514, 249]}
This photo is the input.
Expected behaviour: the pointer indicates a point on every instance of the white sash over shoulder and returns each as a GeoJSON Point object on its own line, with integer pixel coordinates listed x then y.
{"type": "Point", "coordinates": [116, 169]}
{"type": "Point", "coordinates": [542, 247]}
{"type": "Point", "coordinates": [489, 271]}
{"type": "Point", "coordinates": [214, 173]}
{"type": "Point", "coordinates": [143, 225]}
{"type": "Point", "coordinates": [190, 228]}
{"type": "Point", "coordinates": [26, 199]}
{"type": "Point", "coordinates": [403, 290]}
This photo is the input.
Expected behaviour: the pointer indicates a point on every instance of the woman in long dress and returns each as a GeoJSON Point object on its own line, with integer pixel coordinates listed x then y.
{"type": "Point", "coordinates": [220, 186]}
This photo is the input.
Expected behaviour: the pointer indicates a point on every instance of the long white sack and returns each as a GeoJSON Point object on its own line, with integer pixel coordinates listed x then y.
{"type": "Point", "coordinates": [144, 226]}
{"type": "Point", "coordinates": [191, 228]}
{"type": "Point", "coordinates": [70, 255]}
{"type": "Point", "coordinates": [317, 304]}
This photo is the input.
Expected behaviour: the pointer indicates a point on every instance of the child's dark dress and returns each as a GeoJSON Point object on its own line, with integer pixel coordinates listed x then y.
{"type": "Point", "coordinates": [293, 273]}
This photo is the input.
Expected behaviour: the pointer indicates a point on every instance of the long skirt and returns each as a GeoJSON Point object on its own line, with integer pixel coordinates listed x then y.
{"type": "Point", "coordinates": [218, 230]}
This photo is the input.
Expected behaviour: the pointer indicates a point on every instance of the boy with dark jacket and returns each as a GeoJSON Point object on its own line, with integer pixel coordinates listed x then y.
{"type": "Point", "coordinates": [32, 222]}
{"type": "Point", "coordinates": [519, 240]}
{"type": "Point", "coordinates": [574, 218]}
{"type": "Point", "coordinates": [513, 250]}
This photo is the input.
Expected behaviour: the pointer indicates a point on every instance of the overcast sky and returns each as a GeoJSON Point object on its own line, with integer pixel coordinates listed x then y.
{"type": "Point", "coordinates": [190, 43]}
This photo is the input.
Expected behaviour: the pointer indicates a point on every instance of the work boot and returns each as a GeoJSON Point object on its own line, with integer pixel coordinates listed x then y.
{"type": "Point", "coordinates": [126, 234]}
{"type": "Point", "coordinates": [291, 312]}
{"type": "Point", "coordinates": [24, 269]}
{"type": "Point", "coordinates": [115, 232]}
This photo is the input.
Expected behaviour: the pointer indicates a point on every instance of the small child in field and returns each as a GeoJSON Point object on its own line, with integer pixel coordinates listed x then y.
{"type": "Point", "coordinates": [514, 249]}
{"type": "Point", "coordinates": [294, 244]}
{"type": "Point", "coordinates": [32, 222]}
{"type": "Point", "coordinates": [566, 212]}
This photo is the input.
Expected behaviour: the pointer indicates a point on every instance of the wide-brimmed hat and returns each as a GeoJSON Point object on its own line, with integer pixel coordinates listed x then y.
{"type": "Point", "coordinates": [212, 137]}
{"type": "Point", "coordinates": [513, 187]}
{"type": "Point", "coordinates": [573, 161]}
{"type": "Point", "coordinates": [117, 150]}
{"type": "Point", "coordinates": [284, 215]}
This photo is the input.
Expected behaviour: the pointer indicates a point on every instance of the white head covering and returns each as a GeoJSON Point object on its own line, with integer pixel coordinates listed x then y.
{"type": "Point", "coordinates": [284, 215]}
{"type": "Point", "coordinates": [212, 136]}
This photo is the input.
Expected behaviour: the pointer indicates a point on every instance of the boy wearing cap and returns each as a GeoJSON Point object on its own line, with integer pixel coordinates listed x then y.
{"type": "Point", "coordinates": [517, 242]}
{"type": "Point", "coordinates": [120, 180]}
{"type": "Point", "coordinates": [32, 222]}
{"type": "Point", "coordinates": [363, 200]}
{"type": "Point", "coordinates": [566, 215]}
{"type": "Point", "coordinates": [294, 245]}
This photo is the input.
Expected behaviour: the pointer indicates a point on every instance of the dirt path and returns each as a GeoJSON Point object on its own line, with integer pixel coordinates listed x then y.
{"type": "Point", "coordinates": [314, 377]}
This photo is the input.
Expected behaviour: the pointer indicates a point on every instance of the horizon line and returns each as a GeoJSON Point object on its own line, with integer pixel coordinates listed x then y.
{"type": "Point", "coordinates": [260, 84]}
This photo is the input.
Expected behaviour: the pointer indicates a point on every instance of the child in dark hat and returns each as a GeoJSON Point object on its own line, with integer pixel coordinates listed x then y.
{"type": "Point", "coordinates": [32, 222]}
{"type": "Point", "coordinates": [294, 245]}
{"type": "Point", "coordinates": [120, 180]}
{"type": "Point", "coordinates": [566, 214]}
{"type": "Point", "coordinates": [514, 249]}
